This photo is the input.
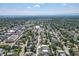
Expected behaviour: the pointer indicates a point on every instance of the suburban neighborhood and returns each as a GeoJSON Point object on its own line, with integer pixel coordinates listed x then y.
{"type": "Point", "coordinates": [50, 37]}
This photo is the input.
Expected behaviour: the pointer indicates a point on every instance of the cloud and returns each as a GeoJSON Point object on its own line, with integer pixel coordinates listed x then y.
{"type": "Point", "coordinates": [28, 7]}
{"type": "Point", "coordinates": [38, 12]}
{"type": "Point", "coordinates": [64, 4]}
{"type": "Point", "coordinates": [36, 6]}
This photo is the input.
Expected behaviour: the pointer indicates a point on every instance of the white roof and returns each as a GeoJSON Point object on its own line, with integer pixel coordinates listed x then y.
{"type": "Point", "coordinates": [37, 27]}
{"type": "Point", "coordinates": [39, 46]}
{"type": "Point", "coordinates": [13, 37]}
{"type": "Point", "coordinates": [44, 45]}
{"type": "Point", "coordinates": [45, 50]}
{"type": "Point", "coordinates": [11, 31]}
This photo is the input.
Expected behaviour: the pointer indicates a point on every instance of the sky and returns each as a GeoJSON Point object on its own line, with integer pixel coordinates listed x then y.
{"type": "Point", "coordinates": [38, 8]}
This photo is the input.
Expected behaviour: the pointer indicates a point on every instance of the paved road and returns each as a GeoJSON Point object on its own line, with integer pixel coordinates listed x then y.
{"type": "Point", "coordinates": [38, 43]}
{"type": "Point", "coordinates": [64, 47]}
{"type": "Point", "coordinates": [23, 47]}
